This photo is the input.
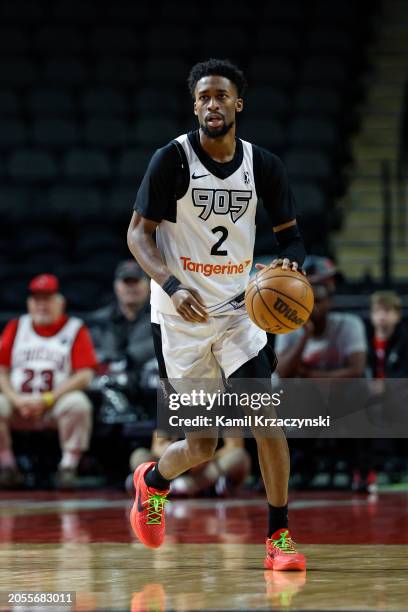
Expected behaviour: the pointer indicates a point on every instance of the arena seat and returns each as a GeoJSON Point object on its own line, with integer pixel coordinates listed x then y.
{"type": "Point", "coordinates": [329, 40]}
{"type": "Point", "coordinates": [310, 131]}
{"type": "Point", "coordinates": [13, 133]}
{"type": "Point", "coordinates": [165, 70]}
{"type": "Point", "coordinates": [268, 101]}
{"type": "Point", "coordinates": [151, 100]}
{"type": "Point", "coordinates": [86, 165]}
{"type": "Point", "coordinates": [225, 41]}
{"type": "Point", "coordinates": [118, 39]}
{"type": "Point", "coordinates": [328, 70]}
{"type": "Point", "coordinates": [307, 164]}
{"type": "Point", "coordinates": [18, 72]}
{"type": "Point", "coordinates": [65, 71]}
{"type": "Point", "coordinates": [175, 40]}
{"type": "Point", "coordinates": [265, 133]}
{"type": "Point", "coordinates": [133, 163]}
{"type": "Point", "coordinates": [50, 101]}
{"type": "Point", "coordinates": [55, 132]}
{"type": "Point", "coordinates": [13, 41]}
{"type": "Point", "coordinates": [67, 40]}
{"type": "Point", "coordinates": [9, 103]}
{"type": "Point", "coordinates": [120, 203]}
{"type": "Point", "coordinates": [284, 40]}
{"type": "Point", "coordinates": [318, 100]}
{"type": "Point", "coordinates": [292, 11]}
{"type": "Point", "coordinates": [276, 71]}
{"type": "Point", "coordinates": [74, 204]}
{"type": "Point", "coordinates": [106, 132]}
{"type": "Point", "coordinates": [32, 165]}
{"type": "Point", "coordinates": [118, 72]}
{"type": "Point", "coordinates": [153, 132]}
{"type": "Point", "coordinates": [103, 101]}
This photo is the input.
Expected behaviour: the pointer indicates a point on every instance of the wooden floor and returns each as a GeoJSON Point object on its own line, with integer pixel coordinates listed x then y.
{"type": "Point", "coordinates": [356, 549]}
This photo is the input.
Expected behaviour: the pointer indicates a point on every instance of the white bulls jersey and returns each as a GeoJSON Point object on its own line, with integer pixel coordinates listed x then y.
{"type": "Point", "coordinates": [206, 213]}
{"type": "Point", "coordinates": [40, 363]}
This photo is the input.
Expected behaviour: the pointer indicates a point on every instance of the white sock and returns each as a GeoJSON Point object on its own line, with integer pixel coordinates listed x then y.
{"type": "Point", "coordinates": [70, 459]}
{"type": "Point", "coordinates": [7, 459]}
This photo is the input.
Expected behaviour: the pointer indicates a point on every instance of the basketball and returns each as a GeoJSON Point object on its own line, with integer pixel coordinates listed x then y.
{"type": "Point", "coordinates": [279, 301]}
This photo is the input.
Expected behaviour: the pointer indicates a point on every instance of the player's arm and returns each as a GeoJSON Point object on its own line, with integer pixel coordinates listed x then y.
{"type": "Point", "coordinates": [155, 201]}
{"type": "Point", "coordinates": [273, 187]}
{"type": "Point", "coordinates": [143, 247]}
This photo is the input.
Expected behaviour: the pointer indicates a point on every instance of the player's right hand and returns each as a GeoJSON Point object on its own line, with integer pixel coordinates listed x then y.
{"type": "Point", "coordinates": [188, 304]}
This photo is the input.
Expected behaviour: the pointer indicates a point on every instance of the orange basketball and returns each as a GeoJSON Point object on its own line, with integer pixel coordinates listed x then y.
{"type": "Point", "coordinates": [279, 301]}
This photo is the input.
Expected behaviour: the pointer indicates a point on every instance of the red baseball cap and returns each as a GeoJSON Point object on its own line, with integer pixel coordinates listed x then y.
{"type": "Point", "coordinates": [44, 283]}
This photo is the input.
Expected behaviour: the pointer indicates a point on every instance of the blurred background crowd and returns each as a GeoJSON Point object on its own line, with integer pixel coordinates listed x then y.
{"type": "Point", "coordinates": [86, 94]}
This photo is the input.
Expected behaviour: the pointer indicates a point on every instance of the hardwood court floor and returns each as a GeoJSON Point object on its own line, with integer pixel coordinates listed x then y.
{"type": "Point", "coordinates": [212, 557]}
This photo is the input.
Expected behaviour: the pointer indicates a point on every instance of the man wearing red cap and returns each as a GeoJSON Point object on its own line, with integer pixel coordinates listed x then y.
{"type": "Point", "coordinates": [46, 359]}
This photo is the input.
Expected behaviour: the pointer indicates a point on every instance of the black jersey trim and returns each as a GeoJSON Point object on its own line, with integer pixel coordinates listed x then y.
{"type": "Point", "coordinates": [183, 180]}
{"type": "Point", "coordinates": [218, 169]}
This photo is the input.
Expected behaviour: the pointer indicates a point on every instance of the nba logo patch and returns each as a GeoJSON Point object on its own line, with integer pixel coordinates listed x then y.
{"type": "Point", "coordinates": [246, 178]}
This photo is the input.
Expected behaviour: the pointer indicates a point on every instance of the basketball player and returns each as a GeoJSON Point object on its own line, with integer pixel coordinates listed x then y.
{"type": "Point", "coordinates": [199, 194]}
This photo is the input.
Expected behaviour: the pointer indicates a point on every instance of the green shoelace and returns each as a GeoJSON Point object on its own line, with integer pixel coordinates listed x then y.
{"type": "Point", "coordinates": [155, 506]}
{"type": "Point", "coordinates": [284, 543]}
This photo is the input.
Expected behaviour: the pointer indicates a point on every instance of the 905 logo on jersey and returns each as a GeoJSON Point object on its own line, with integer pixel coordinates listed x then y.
{"type": "Point", "coordinates": [222, 202]}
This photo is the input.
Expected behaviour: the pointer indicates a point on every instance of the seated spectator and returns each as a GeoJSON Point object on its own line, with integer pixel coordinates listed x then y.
{"type": "Point", "coordinates": [46, 360]}
{"type": "Point", "coordinates": [222, 475]}
{"type": "Point", "coordinates": [122, 335]}
{"type": "Point", "coordinates": [387, 337]}
{"type": "Point", "coordinates": [330, 345]}
{"type": "Point", "coordinates": [121, 330]}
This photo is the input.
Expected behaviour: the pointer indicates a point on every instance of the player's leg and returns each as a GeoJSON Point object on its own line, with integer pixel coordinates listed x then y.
{"type": "Point", "coordinates": [183, 351]}
{"type": "Point", "coordinates": [273, 452]}
{"type": "Point", "coordinates": [274, 462]}
{"type": "Point", "coordinates": [226, 471]}
{"type": "Point", "coordinates": [239, 340]}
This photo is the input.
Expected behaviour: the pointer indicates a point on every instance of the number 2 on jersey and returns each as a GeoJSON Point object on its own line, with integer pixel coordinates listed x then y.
{"type": "Point", "coordinates": [224, 235]}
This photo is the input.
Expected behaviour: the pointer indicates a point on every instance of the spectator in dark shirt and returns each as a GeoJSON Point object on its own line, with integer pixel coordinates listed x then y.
{"type": "Point", "coordinates": [387, 337]}
{"type": "Point", "coordinates": [121, 330]}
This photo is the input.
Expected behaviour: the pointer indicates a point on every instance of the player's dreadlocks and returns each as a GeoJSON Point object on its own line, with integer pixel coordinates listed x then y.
{"type": "Point", "coordinates": [217, 67]}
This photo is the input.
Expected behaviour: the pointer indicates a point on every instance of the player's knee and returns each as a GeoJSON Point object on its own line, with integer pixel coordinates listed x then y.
{"type": "Point", "coordinates": [201, 449]}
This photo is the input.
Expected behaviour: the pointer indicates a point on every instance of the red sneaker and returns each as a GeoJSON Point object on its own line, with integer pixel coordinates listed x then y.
{"type": "Point", "coordinates": [281, 553]}
{"type": "Point", "coordinates": [147, 515]}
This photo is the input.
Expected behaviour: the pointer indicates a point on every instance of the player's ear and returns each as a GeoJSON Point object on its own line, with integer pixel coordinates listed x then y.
{"type": "Point", "coordinates": [239, 105]}
{"type": "Point", "coordinates": [195, 108]}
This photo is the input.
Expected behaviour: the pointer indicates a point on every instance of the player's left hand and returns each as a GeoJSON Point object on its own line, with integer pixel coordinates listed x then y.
{"type": "Point", "coordinates": [285, 263]}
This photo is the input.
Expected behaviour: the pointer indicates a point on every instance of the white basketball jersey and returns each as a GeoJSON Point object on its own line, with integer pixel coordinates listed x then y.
{"type": "Point", "coordinates": [210, 246]}
{"type": "Point", "coordinates": [41, 363]}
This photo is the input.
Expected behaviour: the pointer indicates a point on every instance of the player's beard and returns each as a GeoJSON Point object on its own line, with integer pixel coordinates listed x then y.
{"type": "Point", "coordinates": [217, 133]}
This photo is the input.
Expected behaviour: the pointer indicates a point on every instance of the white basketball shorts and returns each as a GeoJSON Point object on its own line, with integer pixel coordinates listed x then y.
{"type": "Point", "coordinates": [202, 350]}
